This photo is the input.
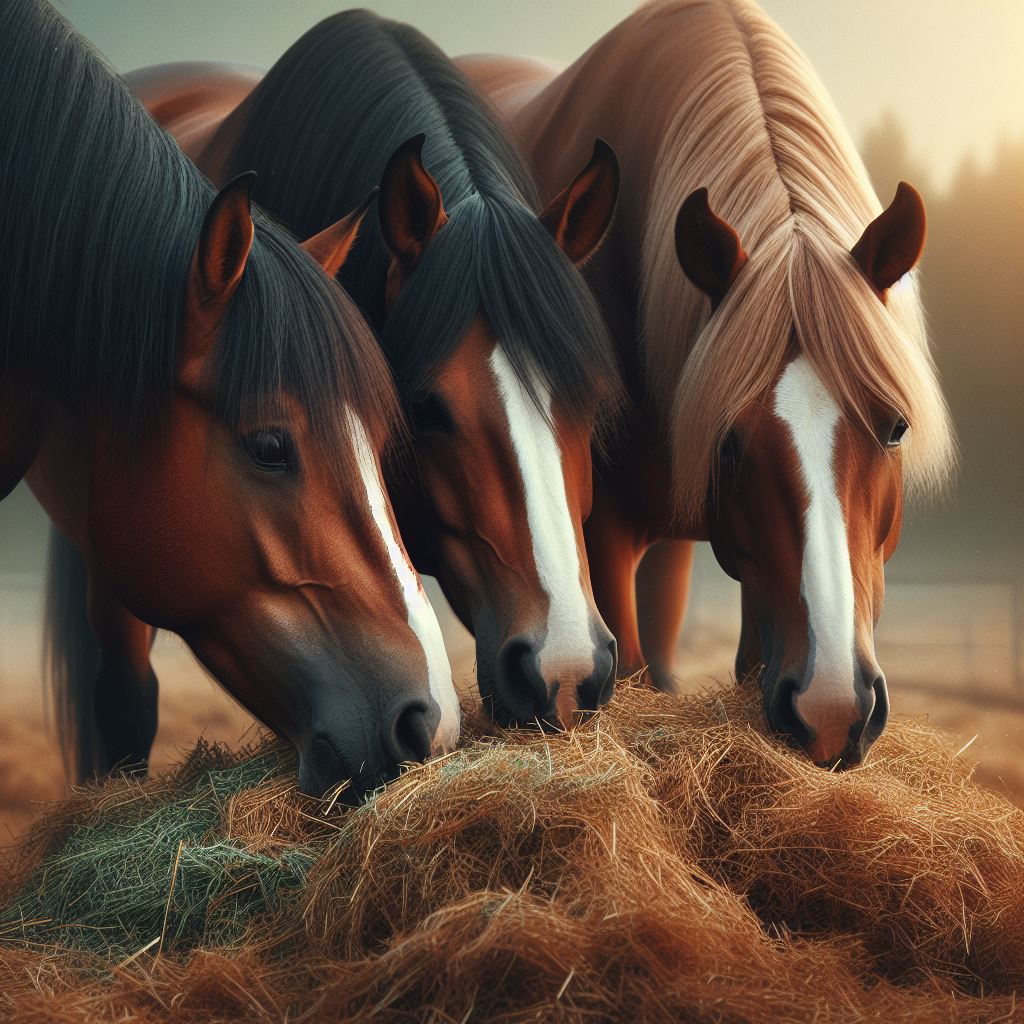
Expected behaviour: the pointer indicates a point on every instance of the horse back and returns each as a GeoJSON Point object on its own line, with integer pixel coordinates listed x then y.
{"type": "Point", "coordinates": [191, 99]}
{"type": "Point", "coordinates": [509, 82]}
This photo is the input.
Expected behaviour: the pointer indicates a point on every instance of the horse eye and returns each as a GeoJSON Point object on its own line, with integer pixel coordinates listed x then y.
{"type": "Point", "coordinates": [268, 448]}
{"type": "Point", "coordinates": [899, 428]}
{"type": "Point", "coordinates": [430, 415]}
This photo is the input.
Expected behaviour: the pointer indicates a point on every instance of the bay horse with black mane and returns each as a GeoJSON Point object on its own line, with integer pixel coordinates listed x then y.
{"type": "Point", "coordinates": [201, 410]}
{"type": "Point", "coordinates": [775, 351]}
{"type": "Point", "coordinates": [503, 362]}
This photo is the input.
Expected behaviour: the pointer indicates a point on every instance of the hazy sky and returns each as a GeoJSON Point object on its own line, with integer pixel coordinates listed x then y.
{"type": "Point", "coordinates": [951, 70]}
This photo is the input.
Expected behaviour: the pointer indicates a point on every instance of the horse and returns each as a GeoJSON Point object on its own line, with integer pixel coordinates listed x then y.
{"type": "Point", "coordinates": [202, 411]}
{"type": "Point", "coordinates": [503, 362]}
{"type": "Point", "coordinates": [772, 342]}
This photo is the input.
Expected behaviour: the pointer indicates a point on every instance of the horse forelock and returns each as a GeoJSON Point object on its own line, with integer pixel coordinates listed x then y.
{"type": "Point", "coordinates": [762, 135]}
{"type": "Point", "coordinates": [291, 331]}
{"type": "Point", "coordinates": [494, 259]}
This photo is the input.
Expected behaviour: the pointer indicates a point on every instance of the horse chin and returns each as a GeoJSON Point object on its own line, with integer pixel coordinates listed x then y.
{"type": "Point", "coordinates": [325, 774]}
{"type": "Point", "coordinates": [321, 767]}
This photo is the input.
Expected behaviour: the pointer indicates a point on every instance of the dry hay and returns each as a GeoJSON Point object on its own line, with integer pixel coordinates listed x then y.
{"type": "Point", "coordinates": [666, 862]}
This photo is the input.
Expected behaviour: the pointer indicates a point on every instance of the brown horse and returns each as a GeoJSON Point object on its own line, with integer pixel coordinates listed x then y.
{"type": "Point", "coordinates": [201, 410]}
{"type": "Point", "coordinates": [775, 352]}
{"type": "Point", "coordinates": [502, 358]}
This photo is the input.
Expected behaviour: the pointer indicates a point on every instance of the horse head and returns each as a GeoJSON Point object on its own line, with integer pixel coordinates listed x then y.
{"type": "Point", "coordinates": [806, 502]}
{"type": "Point", "coordinates": [263, 535]}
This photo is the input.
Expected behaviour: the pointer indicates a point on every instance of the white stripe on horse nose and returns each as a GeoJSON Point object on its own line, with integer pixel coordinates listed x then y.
{"type": "Point", "coordinates": [567, 651]}
{"type": "Point", "coordinates": [422, 619]}
{"type": "Point", "coordinates": [804, 404]}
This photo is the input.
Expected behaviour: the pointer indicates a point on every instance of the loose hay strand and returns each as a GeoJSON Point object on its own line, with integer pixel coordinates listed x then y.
{"type": "Point", "coordinates": [170, 893]}
{"type": "Point", "coordinates": [135, 956]}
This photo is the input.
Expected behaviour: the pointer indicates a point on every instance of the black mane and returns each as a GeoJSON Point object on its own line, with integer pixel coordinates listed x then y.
{"type": "Point", "coordinates": [320, 128]}
{"type": "Point", "coordinates": [99, 214]}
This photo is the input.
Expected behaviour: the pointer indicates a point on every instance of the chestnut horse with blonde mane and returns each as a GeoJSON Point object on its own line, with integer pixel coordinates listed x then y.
{"type": "Point", "coordinates": [502, 358]}
{"type": "Point", "coordinates": [202, 411]}
{"type": "Point", "coordinates": [774, 349]}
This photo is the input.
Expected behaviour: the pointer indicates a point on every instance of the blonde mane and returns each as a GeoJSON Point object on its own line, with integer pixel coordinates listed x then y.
{"type": "Point", "coordinates": [761, 133]}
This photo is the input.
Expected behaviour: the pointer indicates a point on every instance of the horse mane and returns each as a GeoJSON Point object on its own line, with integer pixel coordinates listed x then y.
{"type": "Point", "coordinates": [320, 128]}
{"type": "Point", "coordinates": [761, 132]}
{"type": "Point", "coordinates": [99, 218]}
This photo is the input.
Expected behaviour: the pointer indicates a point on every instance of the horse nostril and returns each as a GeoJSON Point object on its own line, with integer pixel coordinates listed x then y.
{"type": "Point", "coordinates": [876, 720]}
{"type": "Point", "coordinates": [407, 735]}
{"type": "Point", "coordinates": [782, 714]}
{"type": "Point", "coordinates": [600, 687]}
{"type": "Point", "coordinates": [518, 684]}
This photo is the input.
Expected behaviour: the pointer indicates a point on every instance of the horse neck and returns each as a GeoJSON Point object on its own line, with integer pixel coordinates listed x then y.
{"type": "Point", "coordinates": [627, 89]}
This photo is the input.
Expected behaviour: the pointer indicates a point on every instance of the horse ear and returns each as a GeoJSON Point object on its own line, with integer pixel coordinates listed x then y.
{"type": "Point", "coordinates": [708, 248]}
{"type": "Point", "coordinates": [410, 206]}
{"type": "Point", "coordinates": [222, 251]}
{"type": "Point", "coordinates": [218, 264]}
{"type": "Point", "coordinates": [578, 217]}
{"type": "Point", "coordinates": [331, 247]}
{"type": "Point", "coordinates": [892, 243]}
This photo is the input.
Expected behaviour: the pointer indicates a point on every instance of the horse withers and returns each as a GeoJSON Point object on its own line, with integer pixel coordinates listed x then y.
{"type": "Point", "coordinates": [202, 411]}
{"type": "Point", "coordinates": [772, 344]}
{"type": "Point", "coordinates": [504, 365]}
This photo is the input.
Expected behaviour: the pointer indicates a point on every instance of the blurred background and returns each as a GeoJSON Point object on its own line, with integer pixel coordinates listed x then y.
{"type": "Point", "coordinates": [933, 92]}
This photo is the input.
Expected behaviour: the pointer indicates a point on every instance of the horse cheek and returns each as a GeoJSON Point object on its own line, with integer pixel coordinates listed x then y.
{"type": "Point", "coordinates": [158, 529]}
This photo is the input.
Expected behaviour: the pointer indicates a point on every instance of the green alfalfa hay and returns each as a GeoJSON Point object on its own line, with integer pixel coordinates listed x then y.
{"type": "Point", "coordinates": [152, 864]}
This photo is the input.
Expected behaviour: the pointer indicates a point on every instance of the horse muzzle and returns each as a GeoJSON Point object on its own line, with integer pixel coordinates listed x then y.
{"type": "Point", "coordinates": [834, 724]}
{"type": "Point", "coordinates": [366, 750]}
{"type": "Point", "coordinates": [556, 693]}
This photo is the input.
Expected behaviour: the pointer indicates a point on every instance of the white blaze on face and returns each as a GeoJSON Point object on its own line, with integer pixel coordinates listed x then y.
{"type": "Point", "coordinates": [568, 646]}
{"type": "Point", "coordinates": [422, 619]}
{"type": "Point", "coordinates": [805, 405]}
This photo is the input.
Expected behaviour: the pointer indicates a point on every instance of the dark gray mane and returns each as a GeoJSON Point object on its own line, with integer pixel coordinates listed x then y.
{"type": "Point", "coordinates": [99, 214]}
{"type": "Point", "coordinates": [320, 128]}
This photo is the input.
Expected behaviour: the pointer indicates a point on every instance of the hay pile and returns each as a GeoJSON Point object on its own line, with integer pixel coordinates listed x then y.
{"type": "Point", "coordinates": [666, 862]}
